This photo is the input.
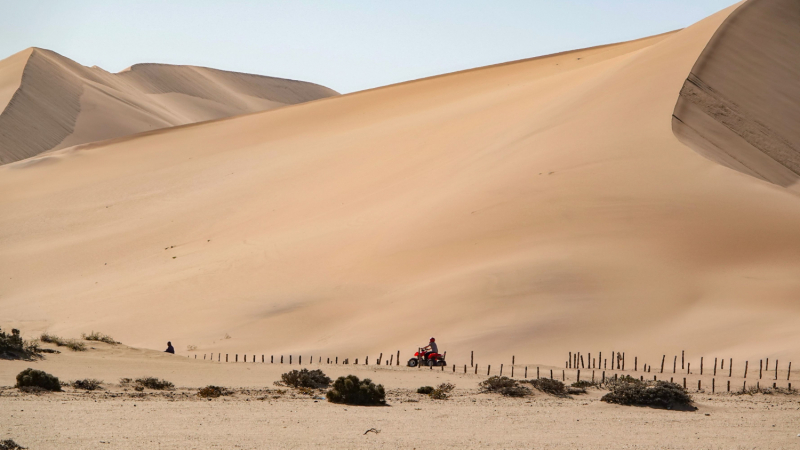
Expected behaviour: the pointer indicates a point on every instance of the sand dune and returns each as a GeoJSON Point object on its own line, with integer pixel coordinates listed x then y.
{"type": "Point", "coordinates": [49, 102]}
{"type": "Point", "coordinates": [528, 208]}
{"type": "Point", "coordinates": [741, 104]}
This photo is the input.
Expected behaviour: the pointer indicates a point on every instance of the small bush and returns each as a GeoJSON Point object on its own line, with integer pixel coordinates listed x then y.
{"type": "Point", "coordinates": [442, 391]}
{"type": "Point", "coordinates": [213, 392]}
{"type": "Point", "coordinates": [88, 384]}
{"type": "Point", "coordinates": [585, 384]}
{"type": "Point", "coordinates": [12, 345]}
{"type": "Point", "coordinates": [154, 383]}
{"type": "Point", "coordinates": [352, 391]}
{"type": "Point", "coordinates": [648, 393]}
{"type": "Point", "coordinates": [9, 444]}
{"type": "Point", "coordinates": [125, 381]}
{"type": "Point", "coordinates": [548, 386]}
{"type": "Point", "coordinates": [38, 378]}
{"type": "Point", "coordinates": [425, 390]}
{"type": "Point", "coordinates": [71, 344]}
{"type": "Point", "coordinates": [504, 386]}
{"type": "Point", "coordinates": [99, 337]}
{"type": "Point", "coordinates": [306, 378]}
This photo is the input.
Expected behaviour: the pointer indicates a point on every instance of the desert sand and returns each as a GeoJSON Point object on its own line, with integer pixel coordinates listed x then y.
{"type": "Point", "coordinates": [524, 209]}
{"type": "Point", "coordinates": [49, 102]}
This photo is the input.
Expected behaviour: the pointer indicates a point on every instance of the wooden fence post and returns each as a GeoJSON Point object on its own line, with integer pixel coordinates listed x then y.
{"type": "Point", "coordinates": [623, 361]}
{"type": "Point", "coordinates": [337, 360]}
{"type": "Point", "coordinates": [551, 374]}
{"type": "Point", "coordinates": [662, 363]}
{"type": "Point", "coordinates": [569, 361]}
{"type": "Point", "coordinates": [683, 366]}
{"type": "Point", "coordinates": [635, 363]}
{"type": "Point", "coordinates": [776, 369]}
{"type": "Point", "coordinates": [300, 359]}
{"type": "Point", "coordinates": [471, 358]}
{"type": "Point", "coordinates": [688, 367]}
{"type": "Point", "coordinates": [698, 385]}
{"type": "Point", "coordinates": [713, 385]}
{"type": "Point", "coordinates": [398, 357]}
{"type": "Point", "coordinates": [604, 377]}
{"type": "Point", "coordinates": [790, 371]}
{"type": "Point", "coordinates": [537, 372]}
{"type": "Point", "coordinates": [476, 369]}
{"type": "Point", "coordinates": [715, 366]}
{"type": "Point", "coordinates": [684, 383]}
{"type": "Point", "coordinates": [526, 372]}
{"type": "Point", "coordinates": [582, 366]}
{"type": "Point", "coordinates": [729, 385]}
{"type": "Point", "coordinates": [675, 364]}
{"type": "Point", "coordinates": [579, 375]}
{"type": "Point", "coordinates": [701, 365]}
{"type": "Point", "coordinates": [290, 359]}
{"type": "Point", "coordinates": [730, 368]}
{"type": "Point", "coordinates": [563, 376]}
{"type": "Point", "coordinates": [760, 367]}
{"type": "Point", "coordinates": [226, 357]}
{"type": "Point", "coordinates": [501, 370]}
{"type": "Point", "coordinates": [237, 358]}
{"type": "Point", "coordinates": [745, 368]}
{"type": "Point", "coordinates": [465, 368]}
{"type": "Point", "coordinates": [262, 359]}
{"type": "Point", "coordinates": [366, 361]}
{"type": "Point", "coordinates": [488, 370]}
{"type": "Point", "coordinates": [599, 359]}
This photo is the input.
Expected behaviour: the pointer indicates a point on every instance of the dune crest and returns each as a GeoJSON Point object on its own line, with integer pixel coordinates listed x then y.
{"type": "Point", "coordinates": [48, 102]}
{"type": "Point", "coordinates": [741, 104]}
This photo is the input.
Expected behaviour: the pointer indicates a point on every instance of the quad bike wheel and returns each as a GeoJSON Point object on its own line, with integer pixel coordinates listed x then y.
{"type": "Point", "coordinates": [441, 363]}
{"type": "Point", "coordinates": [430, 363]}
{"type": "Point", "coordinates": [413, 362]}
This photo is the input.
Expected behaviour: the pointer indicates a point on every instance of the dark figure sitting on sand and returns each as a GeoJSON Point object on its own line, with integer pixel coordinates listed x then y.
{"type": "Point", "coordinates": [169, 349]}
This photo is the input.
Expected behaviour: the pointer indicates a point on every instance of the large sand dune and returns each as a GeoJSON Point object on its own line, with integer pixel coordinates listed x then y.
{"type": "Point", "coordinates": [50, 102]}
{"type": "Point", "coordinates": [528, 208]}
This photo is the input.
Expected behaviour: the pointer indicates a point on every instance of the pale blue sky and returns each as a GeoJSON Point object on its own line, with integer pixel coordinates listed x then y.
{"type": "Point", "coordinates": [345, 45]}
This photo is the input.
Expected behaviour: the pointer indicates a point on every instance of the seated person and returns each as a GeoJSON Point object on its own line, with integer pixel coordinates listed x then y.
{"type": "Point", "coordinates": [431, 348]}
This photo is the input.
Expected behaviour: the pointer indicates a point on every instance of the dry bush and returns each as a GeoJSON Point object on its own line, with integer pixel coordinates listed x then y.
{"type": "Point", "coordinates": [661, 394]}
{"type": "Point", "coordinates": [585, 384]}
{"type": "Point", "coordinates": [213, 392]}
{"type": "Point", "coordinates": [125, 381]}
{"type": "Point", "coordinates": [89, 384]}
{"type": "Point", "coordinates": [154, 383]}
{"type": "Point", "coordinates": [13, 346]}
{"type": "Point", "coordinates": [442, 391]}
{"type": "Point", "coordinates": [306, 378]}
{"type": "Point", "coordinates": [352, 391]}
{"type": "Point", "coordinates": [425, 390]}
{"type": "Point", "coordinates": [191, 348]}
{"type": "Point", "coordinates": [549, 386]}
{"type": "Point", "coordinates": [37, 379]}
{"type": "Point", "coordinates": [99, 337]}
{"type": "Point", "coordinates": [504, 386]}
{"type": "Point", "coordinates": [72, 344]}
{"type": "Point", "coordinates": [9, 444]}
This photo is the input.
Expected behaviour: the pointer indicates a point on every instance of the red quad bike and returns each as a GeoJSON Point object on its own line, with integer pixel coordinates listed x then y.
{"type": "Point", "coordinates": [419, 359]}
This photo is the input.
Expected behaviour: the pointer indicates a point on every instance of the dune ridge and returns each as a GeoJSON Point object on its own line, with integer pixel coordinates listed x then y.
{"type": "Point", "coordinates": [523, 209]}
{"type": "Point", "coordinates": [58, 103]}
{"type": "Point", "coordinates": [741, 103]}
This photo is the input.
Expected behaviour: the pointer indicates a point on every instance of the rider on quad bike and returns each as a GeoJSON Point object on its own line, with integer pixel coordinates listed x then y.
{"type": "Point", "coordinates": [431, 348]}
{"type": "Point", "coordinates": [427, 356]}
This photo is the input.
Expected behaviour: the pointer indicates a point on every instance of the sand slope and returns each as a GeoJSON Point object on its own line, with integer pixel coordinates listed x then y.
{"type": "Point", "coordinates": [529, 208]}
{"type": "Point", "coordinates": [49, 102]}
{"type": "Point", "coordinates": [741, 104]}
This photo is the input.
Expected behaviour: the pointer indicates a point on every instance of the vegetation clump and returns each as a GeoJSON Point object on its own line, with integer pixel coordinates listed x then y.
{"type": "Point", "coordinates": [89, 384]}
{"type": "Point", "coordinates": [9, 444]}
{"type": "Point", "coordinates": [442, 392]}
{"type": "Point", "coordinates": [661, 394]}
{"type": "Point", "coordinates": [306, 378]}
{"type": "Point", "coordinates": [13, 346]}
{"type": "Point", "coordinates": [426, 390]}
{"type": "Point", "coordinates": [213, 392]}
{"type": "Point", "coordinates": [504, 386]}
{"type": "Point", "coordinates": [154, 383]}
{"type": "Point", "coordinates": [352, 391]}
{"type": "Point", "coordinates": [72, 344]}
{"type": "Point", "coordinates": [549, 386]}
{"type": "Point", "coordinates": [585, 384]}
{"type": "Point", "coordinates": [32, 378]}
{"type": "Point", "coordinates": [99, 337]}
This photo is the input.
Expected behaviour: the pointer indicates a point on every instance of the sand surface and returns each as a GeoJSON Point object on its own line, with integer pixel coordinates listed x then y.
{"type": "Point", "coordinates": [48, 101]}
{"type": "Point", "coordinates": [259, 415]}
{"type": "Point", "coordinates": [528, 209]}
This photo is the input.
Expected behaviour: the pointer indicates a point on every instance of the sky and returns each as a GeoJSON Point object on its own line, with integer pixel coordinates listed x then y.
{"type": "Point", "coordinates": [346, 45]}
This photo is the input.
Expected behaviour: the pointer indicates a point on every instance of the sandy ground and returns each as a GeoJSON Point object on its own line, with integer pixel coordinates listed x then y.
{"type": "Point", "coordinates": [260, 415]}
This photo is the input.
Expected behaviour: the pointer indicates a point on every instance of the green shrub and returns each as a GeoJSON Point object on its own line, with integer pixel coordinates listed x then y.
{"type": "Point", "coordinates": [442, 391]}
{"type": "Point", "coordinates": [648, 393]}
{"type": "Point", "coordinates": [38, 379]}
{"type": "Point", "coordinates": [9, 444]}
{"type": "Point", "coordinates": [71, 344]}
{"type": "Point", "coordinates": [154, 383]}
{"type": "Point", "coordinates": [548, 386]}
{"type": "Point", "coordinates": [504, 386]}
{"type": "Point", "coordinates": [99, 337]}
{"type": "Point", "coordinates": [352, 391]}
{"type": "Point", "coordinates": [425, 390]}
{"type": "Point", "coordinates": [585, 384]}
{"type": "Point", "coordinates": [12, 345]}
{"type": "Point", "coordinates": [306, 378]}
{"type": "Point", "coordinates": [89, 384]}
{"type": "Point", "coordinates": [213, 392]}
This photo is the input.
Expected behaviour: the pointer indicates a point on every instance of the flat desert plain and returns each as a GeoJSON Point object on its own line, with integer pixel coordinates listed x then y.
{"type": "Point", "coordinates": [638, 197]}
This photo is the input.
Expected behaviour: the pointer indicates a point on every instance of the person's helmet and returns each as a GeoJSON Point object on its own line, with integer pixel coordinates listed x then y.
{"type": "Point", "coordinates": [433, 339]}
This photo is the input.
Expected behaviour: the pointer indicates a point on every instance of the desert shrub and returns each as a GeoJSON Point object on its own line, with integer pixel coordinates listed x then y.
{"type": "Point", "coordinates": [100, 337]}
{"type": "Point", "coordinates": [89, 384]}
{"type": "Point", "coordinates": [648, 393]}
{"type": "Point", "coordinates": [585, 384]}
{"type": "Point", "coordinates": [213, 392]}
{"type": "Point", "coordinates": [504, 386]}
{"type": "Point", "coordinates": [306, 378]}
{"type": "Point", "coordinates": [352, 391]}
{"type": "Point", "coordinates": [39, 379]}
{"type": "Point", "coordinates": [425, 390]}
{"type": "Point", "coordinates": [9, 444]}
{"type": "Point", "coordinates": [154, 383]}
{"type": "Point", "coordinates": [442, 391]}
{"type": "Point", "coordinates": [125, 381]}
{"type": "Point", "coordinates": [12, 345]}
{"type": "Point", "coordinates": [549, 386]}
{"type": "Point", "coordinates": [71, 344]}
